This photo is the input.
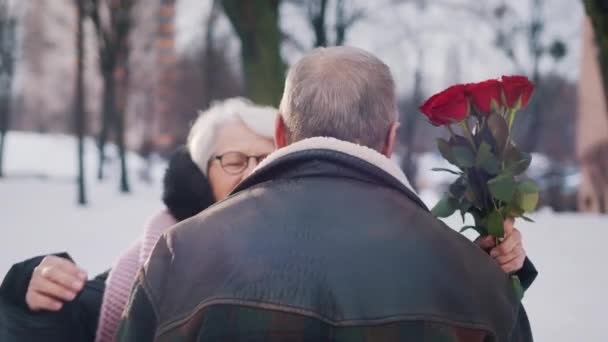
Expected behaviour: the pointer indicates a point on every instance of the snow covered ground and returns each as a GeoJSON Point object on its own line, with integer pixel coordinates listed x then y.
{"type": "Point", "coordinates": [568, 302]}
{"type": "Point", "coordinates": [38, 211]}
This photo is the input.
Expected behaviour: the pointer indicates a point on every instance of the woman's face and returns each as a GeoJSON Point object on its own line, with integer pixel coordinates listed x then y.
{"type": "Point", "coordinates": [234, 142]}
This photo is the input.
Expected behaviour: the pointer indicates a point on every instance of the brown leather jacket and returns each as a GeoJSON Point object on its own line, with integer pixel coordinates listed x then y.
{"type": "Point", "coordinates": [321, 245]}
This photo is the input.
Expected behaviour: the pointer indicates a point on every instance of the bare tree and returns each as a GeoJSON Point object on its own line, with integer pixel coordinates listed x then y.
{"type": "Point", "coordinates": [345, 19]}
{"type": "Point", "coordinates": [346, 14]}
{"type": "Point", "coordinates": [7, 62]}
{"type": "Point", "coordinates": [410, 119]}
{"type": "Point", "coordinates": [317, 10]}
{"type": "Point", "coordinates": [79, 99]}
{"type": "Point", "coordinates": [256, 23]}
{"type": "Point", "coordinates": [509, 29]}
{"type": "Point", "coordinates": [112, 38]}
{"type": "Point", "coordinates": [409, 134]}
{"type": "Point", "coordinates": [209, 58]}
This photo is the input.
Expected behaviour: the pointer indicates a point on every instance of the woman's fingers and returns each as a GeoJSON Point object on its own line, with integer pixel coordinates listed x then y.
{"type": "Point", "coordinates": [49, 288]}
{"type": "Point", "coordinates": [53, 281]}
{"type": "Point", "coordinates": [37, 302]}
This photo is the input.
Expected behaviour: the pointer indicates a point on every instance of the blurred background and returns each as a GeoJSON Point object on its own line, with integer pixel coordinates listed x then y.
{"type": "Point", "coordinates": [95, 94]}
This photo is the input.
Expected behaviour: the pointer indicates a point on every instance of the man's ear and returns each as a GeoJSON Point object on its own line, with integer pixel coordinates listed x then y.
{"type": "Point", "coordinates": [391, 138]}
{"type": "Point", "coordinates": [280, 132]}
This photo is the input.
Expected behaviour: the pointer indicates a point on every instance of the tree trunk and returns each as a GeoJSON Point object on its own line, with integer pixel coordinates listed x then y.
{"type": "Point", "coordinates": [114, 59]}
{"type": "Point", "coordinates": [532, 136]}
{"type": "Point", "coordinates": [409, 164]}
{"type": "Point", "coordinates": [120, 142]}
{"type": "Point", "coordinates": [79, 102]}
{"type": "Point", "coordinates": [7, 59]}
{"type": "Point", "coordinates": [317, 20]}
{"type": "Point", "coordinates": [2, 139]}
{"type": "Point", "coordinates": [209, 58]}
{"type": "Point", "coordinates": [341, 23]}
{"type": "Point", "coordinates": [256, 24]}
{"type": "Point", "coordinates": [122, 88]}
{"type": "Point", "coordinates": [107, 119]}
{"type": "Point", "coordinates": [4, 123]}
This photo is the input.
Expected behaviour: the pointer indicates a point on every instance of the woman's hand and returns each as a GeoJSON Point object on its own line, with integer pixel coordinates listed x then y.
{"type": "Point", "coordinates": [54, 281]}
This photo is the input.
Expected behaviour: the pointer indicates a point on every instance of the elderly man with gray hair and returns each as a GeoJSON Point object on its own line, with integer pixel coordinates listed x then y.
{"type": "Point", "coordinates": [326, 240]}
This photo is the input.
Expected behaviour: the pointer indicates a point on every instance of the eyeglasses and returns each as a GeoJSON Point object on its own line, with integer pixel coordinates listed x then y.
{"type": "Point", "coordinates": [235, 163]}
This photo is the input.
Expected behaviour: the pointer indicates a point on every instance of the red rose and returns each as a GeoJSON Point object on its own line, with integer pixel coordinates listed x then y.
{"type": "Point", "coordinates": [448, 106]}
{"type": "Point", "coordinates": [516, 87]}
{"type": "Point", "coordinates": [483, 93]}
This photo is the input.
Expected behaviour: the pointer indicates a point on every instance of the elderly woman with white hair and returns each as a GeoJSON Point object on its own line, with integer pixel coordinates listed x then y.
{"type": "Point", "coordinates": [229, 141]}
{"type": "Point", "coordinates": [224, 145]}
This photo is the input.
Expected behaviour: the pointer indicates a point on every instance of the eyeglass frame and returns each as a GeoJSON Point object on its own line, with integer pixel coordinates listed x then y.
{"type": "Point", "coordinates": [258, 159]}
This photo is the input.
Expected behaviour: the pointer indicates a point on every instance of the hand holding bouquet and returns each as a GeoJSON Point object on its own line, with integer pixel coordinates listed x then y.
{"type": "Point", "coordinates": [479, 118]}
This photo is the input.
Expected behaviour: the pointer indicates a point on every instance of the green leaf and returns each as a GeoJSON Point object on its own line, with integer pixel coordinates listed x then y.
{"type": "Point", "coordinates": [458, 188]}
{"type": "Point", "coordinates": [485, 135]}
{"type": "Point", "coordinates": [517, 287]}
{"type": "Point", "coordinates": [526, 218]}
{"type": "Point", "coordinates": [446, 170]}
{"type": "Point", "coordinates": [465, 228]}
{"type": "Point", "coordinates": [515, 211]}
{"type": "Point", "coordinates": [502, 187]}
{"type": "Point", "coordinates": [486, 160]}
{"type": "Point", "coordinates": [494, 224]}
{"type": "Point", "coordinates": [459, 140]}
{"type": "Point", "coordinates": [445, 207]}
{"type": "Point", "coordinates": [463, 156]}
{"type": "Point", "coordinates": [522, 164]}
{"type": "Point", "coordinates": [527, 187]}
{"type": "Point", "coordinates": [465, 205]}
{"type": "Point", "coordinates": [462, 151]}
{"type": "Point", "coordinates": [494, 106]}
{"type": "Point", "coordinates": [527, 195]}
{"type": "Point", "coordinates": [516, 161]}
{"type": "Point", "coordinates": [446, 151]}
{"type": "Point", "coordinates": [500, 130]}
{"type": "Point", "coordinates": [504, 211]}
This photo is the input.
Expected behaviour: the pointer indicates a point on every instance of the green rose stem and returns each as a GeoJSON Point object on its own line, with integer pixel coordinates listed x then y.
{"type": "Point", "coordinates": [512, 112]}
{"type": "Point", "coordinates": [496, 238]}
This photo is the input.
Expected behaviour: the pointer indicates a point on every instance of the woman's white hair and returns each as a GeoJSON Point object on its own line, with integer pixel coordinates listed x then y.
{"type": "Point", "coordinates": [202, 138]}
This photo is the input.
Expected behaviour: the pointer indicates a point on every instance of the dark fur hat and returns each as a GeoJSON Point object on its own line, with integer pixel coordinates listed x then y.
{"type": "Point", "coordinates": [186, 191]}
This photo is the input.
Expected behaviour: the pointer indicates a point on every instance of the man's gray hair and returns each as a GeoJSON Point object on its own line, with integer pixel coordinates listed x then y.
{"type": "Point", "coordinates": [340, 92]}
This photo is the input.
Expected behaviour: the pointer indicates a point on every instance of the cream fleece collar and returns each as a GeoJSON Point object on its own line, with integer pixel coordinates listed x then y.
{"type": "Point", "coordinates": [326, 143]}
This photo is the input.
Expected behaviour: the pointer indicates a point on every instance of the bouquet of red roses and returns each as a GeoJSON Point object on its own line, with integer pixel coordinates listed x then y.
{"type": "Point", "coordinates": [479, 118]}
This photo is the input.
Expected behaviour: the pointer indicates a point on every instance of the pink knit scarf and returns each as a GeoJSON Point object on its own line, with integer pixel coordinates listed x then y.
{"type": "Point", "coordinates": [123, 273]}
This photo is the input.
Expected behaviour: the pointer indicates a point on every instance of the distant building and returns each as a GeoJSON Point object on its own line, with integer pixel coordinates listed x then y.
{"type": "Point", "coordinates": [45, 70]}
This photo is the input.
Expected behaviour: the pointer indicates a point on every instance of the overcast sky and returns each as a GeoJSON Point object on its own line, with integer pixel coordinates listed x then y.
{"type": "Point", "coordinates": [456, 45]}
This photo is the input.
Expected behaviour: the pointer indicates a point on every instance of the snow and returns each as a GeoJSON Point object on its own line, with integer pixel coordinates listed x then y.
{"type": "Point", "coordinates": [38, 211]}
{"type": "Point", "coordinates": [432, 180]}
{"type": "Point", "coordinates": [567, 302]}
{"type": "Point", "coordinates": [569, 299]}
